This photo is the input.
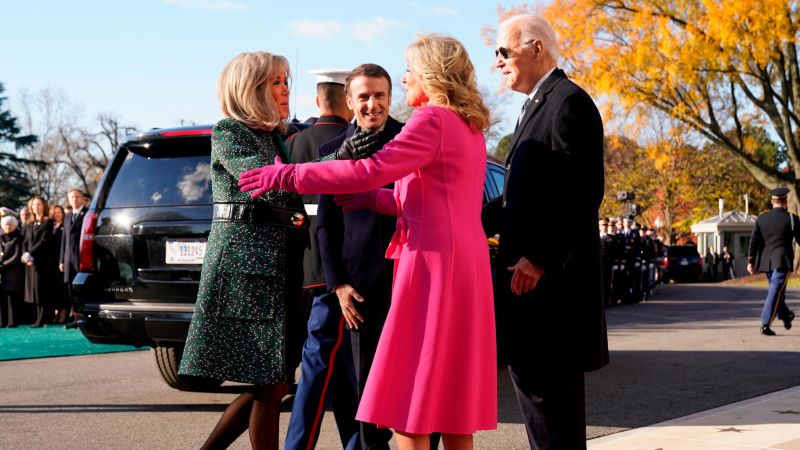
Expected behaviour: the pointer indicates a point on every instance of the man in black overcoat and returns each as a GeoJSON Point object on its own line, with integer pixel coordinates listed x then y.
{"type": "Point", "coordinates": [551, 316]}
{"type": "Point", "coordinates": [772, 253]}
{"type": "Point", "coordinates": [69, 258]}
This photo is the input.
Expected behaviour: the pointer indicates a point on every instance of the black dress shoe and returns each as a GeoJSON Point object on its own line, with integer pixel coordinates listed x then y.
{"type": "Point", "coordinates": [70, 325]}
{"type": "Point", "coordinates": [36, 326]}
{"type": "Point", "coordinates": [787, 321]}
{"type": "Point", "coordinates": [766, 331]}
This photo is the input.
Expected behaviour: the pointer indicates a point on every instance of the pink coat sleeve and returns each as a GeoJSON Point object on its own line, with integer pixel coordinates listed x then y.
{"type": "Point", "coordinates": [385, 203]}
{"type": "Point", "coordinates": [413, 148]}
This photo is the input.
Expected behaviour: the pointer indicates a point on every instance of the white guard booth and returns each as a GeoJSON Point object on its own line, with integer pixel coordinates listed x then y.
{"type": "Point", "coordinates": [731, 229]}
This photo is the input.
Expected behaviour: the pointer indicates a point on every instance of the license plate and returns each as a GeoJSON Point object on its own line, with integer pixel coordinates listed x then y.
{"type": "Point", "coordinates": [684, 262]}
{"type": "Point", "coordinates": [185, 252]}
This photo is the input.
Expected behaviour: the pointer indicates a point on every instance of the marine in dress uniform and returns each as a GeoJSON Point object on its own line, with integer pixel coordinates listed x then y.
{"type": "Point", "coordinates": [327, 372]}
{"type": "Point", "coordinates": [772, 253]}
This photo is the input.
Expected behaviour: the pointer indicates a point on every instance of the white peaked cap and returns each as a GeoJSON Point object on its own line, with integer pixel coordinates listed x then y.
{"type": "Point", "coordinates": [330, 75]}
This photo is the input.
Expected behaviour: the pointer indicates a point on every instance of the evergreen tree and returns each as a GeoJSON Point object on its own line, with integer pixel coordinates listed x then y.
{"type": "Point", "coordinates": [15, 187]}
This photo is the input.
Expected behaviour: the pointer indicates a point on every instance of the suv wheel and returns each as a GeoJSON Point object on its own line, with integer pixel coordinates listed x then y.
{"type": "Point", "coordinates": [168, 360]}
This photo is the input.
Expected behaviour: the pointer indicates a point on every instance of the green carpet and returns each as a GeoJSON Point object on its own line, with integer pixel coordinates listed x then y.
{"type": "Point", "coordinates": [25, 342]}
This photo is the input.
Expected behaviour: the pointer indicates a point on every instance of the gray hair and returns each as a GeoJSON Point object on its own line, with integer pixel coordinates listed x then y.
{"type": "Point", "coordinates": [533, 27]}
{"type": "Point", "coordinates": [9, 219]}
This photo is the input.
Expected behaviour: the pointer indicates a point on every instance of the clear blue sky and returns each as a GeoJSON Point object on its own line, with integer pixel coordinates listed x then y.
{"type": "Point", "coordinates": [156, 62]}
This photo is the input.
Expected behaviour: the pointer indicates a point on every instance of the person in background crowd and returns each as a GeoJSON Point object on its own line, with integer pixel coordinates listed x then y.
{"type": "Point", "coordinates": [727, 264]}
{"type": "Point", "coordinates": [12, 272]}
{"type": "Point", "coordinates": [69, 255]}
{"type": "Point", "coordinates": [712, 264]}
{"type": "Point", "coordinates": [59, 290]}
{"type": "Point", "coordinates": [38, 277]}
{"type": "Point", "coordinates": [25, 218]}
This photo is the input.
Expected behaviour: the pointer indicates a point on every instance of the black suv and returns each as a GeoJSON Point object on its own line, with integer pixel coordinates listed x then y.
{"type": "Point", "coordinates": [682, 263]}
{"type": "Point", "coordinates": [143, 242]}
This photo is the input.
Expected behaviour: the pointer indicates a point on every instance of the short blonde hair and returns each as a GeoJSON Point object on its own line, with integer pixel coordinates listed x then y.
{"type": "Point", "coordinates": [244, 93]}
{"type": "Point", "coordinates": [447, 77]}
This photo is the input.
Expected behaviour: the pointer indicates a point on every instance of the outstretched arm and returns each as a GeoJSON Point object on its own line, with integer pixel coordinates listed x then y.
{"type": "Point", "coordinates": [417, 145]}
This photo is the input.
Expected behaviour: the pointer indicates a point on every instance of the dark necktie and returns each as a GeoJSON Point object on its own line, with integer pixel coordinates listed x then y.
{"type": "Point", "coordinates": [524, 108]}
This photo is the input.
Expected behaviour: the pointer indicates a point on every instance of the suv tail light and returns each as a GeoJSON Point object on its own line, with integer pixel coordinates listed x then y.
{"type": "Point", "coordinates": [87, 242]}
{"type": "Point", "coordinates": [666, 261]}
{"type": "Point", "coordinates": [700, 260]}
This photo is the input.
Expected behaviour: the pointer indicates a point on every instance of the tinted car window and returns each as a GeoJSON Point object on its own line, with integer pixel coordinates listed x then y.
{"type": "Point", "coordinates": [497, 175]}
{"type": "Point", "coordinates": [682, 251]}
{"type": "Point", "coordinates": [161, 180]}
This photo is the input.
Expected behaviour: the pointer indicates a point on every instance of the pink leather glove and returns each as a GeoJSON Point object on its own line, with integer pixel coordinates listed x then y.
{"type": "Point", "coordinates": [355, 202]}
{"type": "Point", "coordinates": [268, 178]}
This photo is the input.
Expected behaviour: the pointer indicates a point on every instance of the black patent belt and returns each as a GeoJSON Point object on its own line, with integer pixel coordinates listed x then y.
{"type": "Point", "coordinates": [260, 214]}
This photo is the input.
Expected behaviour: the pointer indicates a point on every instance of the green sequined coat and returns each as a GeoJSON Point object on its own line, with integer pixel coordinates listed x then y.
{"type": "Point", "coordinates": [246, 325]}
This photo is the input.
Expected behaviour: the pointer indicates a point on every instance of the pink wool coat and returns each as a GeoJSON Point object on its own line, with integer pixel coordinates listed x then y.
{"type": "Point", "coordinates": [435, 369]}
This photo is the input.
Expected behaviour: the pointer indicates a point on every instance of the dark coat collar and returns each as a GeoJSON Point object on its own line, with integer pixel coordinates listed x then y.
{"type": "Point", "coordinates": [557, 76]}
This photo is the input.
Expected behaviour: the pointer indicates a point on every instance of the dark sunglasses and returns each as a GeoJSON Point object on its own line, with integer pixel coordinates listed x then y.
{"type": "Point", "coordinates": [507, 52]}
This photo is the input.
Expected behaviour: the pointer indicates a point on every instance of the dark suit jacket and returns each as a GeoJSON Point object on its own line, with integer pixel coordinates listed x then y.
{"type": "Point", "coordinates": [40, 276]}
{"type": "Point", "coordinates": [353, 244]}
{"type": "Point", "coordinates": [12, 271]}
{"type": "Point", "coordinates": [554, 181]}
{"type": "Point", "coordinates": [70, 245]}
{"type": "Point", "coordinates": [771, 241]}
{"type": "Point", "coordinates": [303, 147]}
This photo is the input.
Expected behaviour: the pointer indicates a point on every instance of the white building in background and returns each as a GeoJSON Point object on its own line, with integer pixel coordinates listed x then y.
{"type": "Point", "coordinates": [731, 229]}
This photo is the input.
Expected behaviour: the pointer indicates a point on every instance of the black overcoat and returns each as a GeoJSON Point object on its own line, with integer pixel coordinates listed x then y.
{"type": "Point", "coordinates": [771, 240]}
{"type": "Point", "coordinates": [12, 271]}
{"type": "Point", "coordinates": [39, 276]}
{"type": "Point", "coordinates": [70, 244]}
{"type": "Point", "coordinates": [549, 209]}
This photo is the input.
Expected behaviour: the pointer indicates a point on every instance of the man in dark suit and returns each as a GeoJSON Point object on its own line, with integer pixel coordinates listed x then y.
{"type": "Point", "coordinates": [69, 258]}
{"type": "Point", "coordinates": [772, 252]}
{"type": "Point", "coordinates": [550, 304]}
{"type": "Point", "coordinates": [353, 243]}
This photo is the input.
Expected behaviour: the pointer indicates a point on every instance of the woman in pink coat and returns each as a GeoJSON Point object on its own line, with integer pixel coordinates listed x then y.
{"type": "Point", "coordinates": [435, 367]}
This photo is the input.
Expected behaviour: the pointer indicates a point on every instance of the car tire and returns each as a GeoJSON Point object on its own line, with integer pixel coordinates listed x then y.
{"type": "Point", "coordinates": [168, 360]}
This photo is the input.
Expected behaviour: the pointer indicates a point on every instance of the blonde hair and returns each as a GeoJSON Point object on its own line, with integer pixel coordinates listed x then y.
{"type": "Point", "coordinates": [244, 92]}
{"type": "Point", "coordinates": [447, 77]}
{"type": "Point", "coordinates": [45, 213]}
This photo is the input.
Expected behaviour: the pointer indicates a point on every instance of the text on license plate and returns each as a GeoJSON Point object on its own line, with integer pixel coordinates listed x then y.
{"type": "Point", "coordinates": [185, 252]}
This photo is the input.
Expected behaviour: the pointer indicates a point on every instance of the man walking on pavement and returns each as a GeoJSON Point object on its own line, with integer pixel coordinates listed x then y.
{"type": "Point", "coordinates": [772, 252]}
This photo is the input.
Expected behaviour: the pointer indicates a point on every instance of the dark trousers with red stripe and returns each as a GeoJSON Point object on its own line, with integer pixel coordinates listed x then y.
{"type": "Point", "coordinates": [776, 298]}
{"type": "Point", "coordinates": [327, 376]}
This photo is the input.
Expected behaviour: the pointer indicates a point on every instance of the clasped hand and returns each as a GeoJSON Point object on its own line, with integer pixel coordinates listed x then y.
{"type": "Point", "coordinates": [267, 178]}
{"type": "Point", "coordinates": [362, 144]}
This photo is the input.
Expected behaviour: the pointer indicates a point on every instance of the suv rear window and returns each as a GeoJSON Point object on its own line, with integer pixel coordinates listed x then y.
{"type": "Point", "coordinates": [681, 250]}
{"type": "Point", "coordinates": [162, 177]}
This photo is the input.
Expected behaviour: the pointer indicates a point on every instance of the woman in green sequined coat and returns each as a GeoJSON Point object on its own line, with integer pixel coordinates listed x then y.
{"type": "Point", "coordinates": [247, 325]}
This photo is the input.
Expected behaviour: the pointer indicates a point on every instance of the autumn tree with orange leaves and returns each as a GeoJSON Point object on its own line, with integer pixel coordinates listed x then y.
{"type": "Point", "coordinates": [720, 67]}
